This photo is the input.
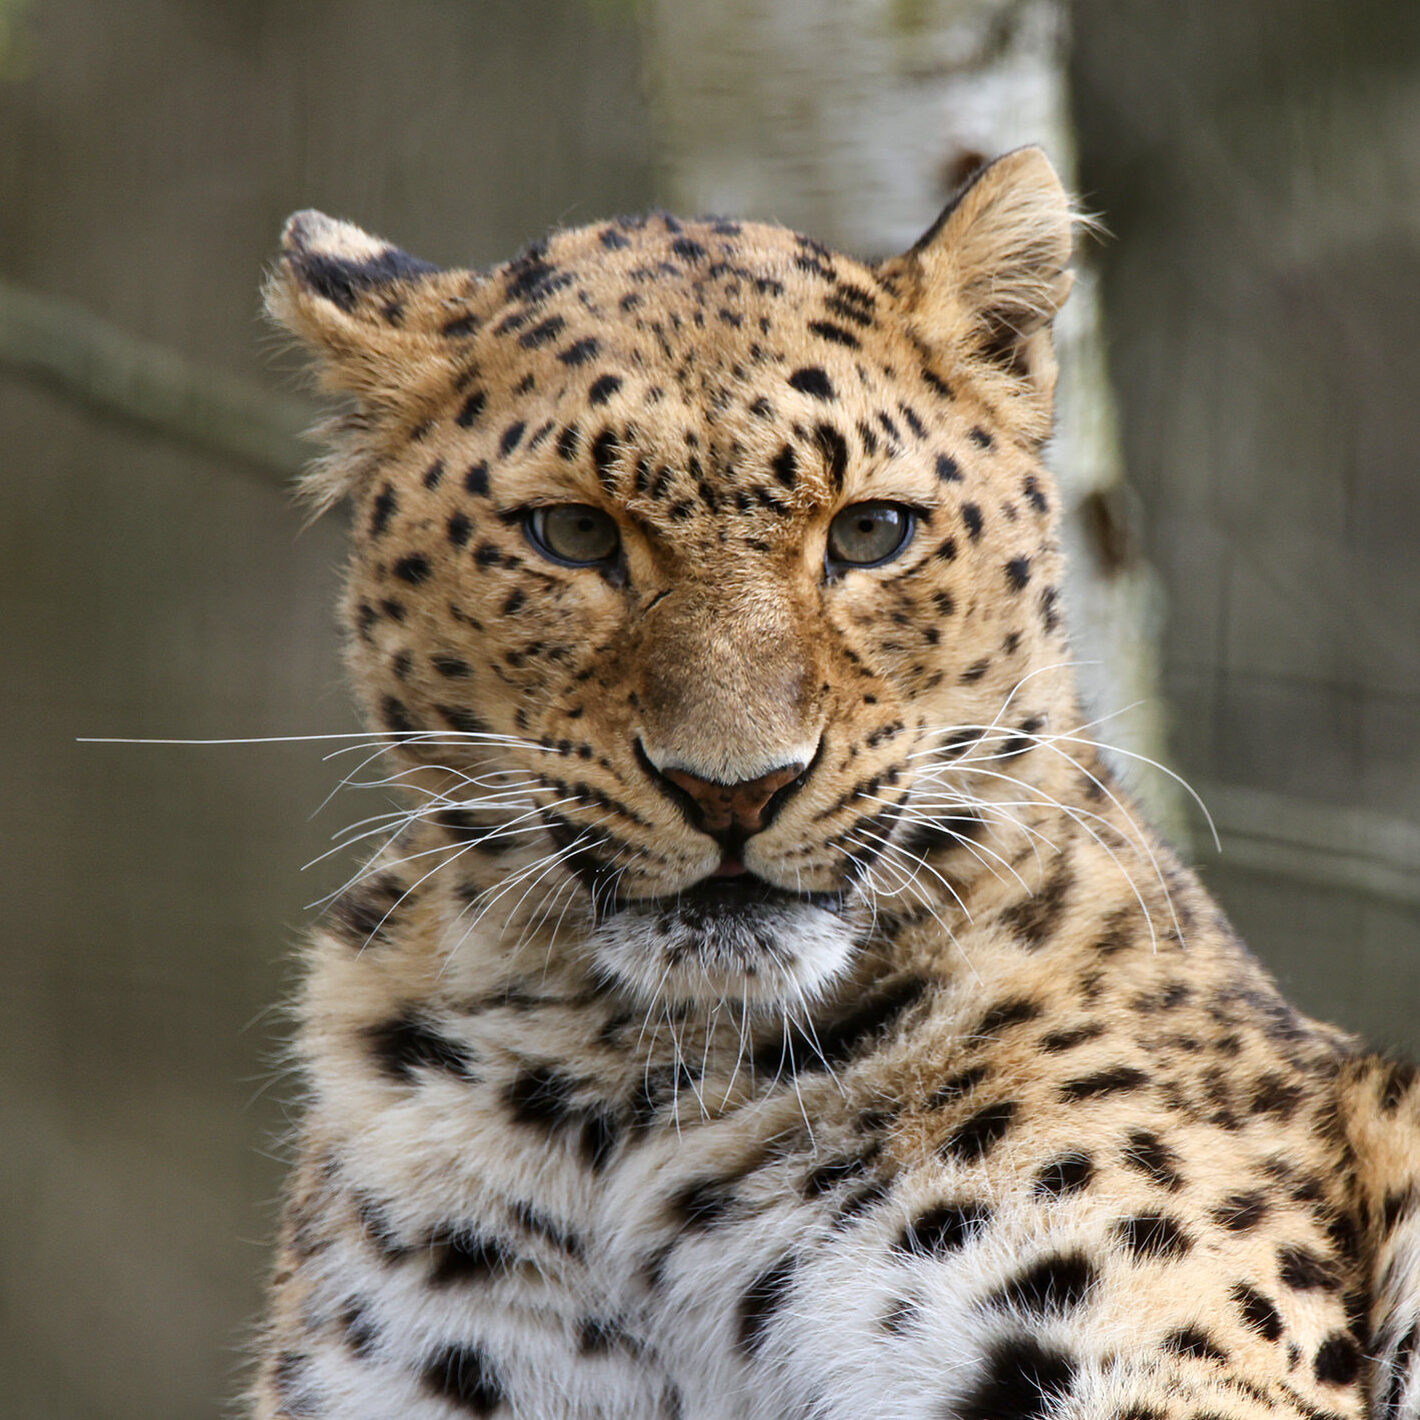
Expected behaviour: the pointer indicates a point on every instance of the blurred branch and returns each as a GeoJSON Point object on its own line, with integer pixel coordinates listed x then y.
{"type": "Point", "coordinates": [1328, 845]}
{"type": "Point", "coordinates": [149, 384]}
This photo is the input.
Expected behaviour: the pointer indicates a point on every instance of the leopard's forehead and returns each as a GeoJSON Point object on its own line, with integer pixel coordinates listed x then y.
{"type": "Point", "coordinates": [669, 356]}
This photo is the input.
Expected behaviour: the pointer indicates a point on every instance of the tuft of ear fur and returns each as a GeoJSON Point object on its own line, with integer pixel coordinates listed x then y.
{"type": "Point", "coordinates": [378, 322]}
{"type": "Point", "coordinates": [991, 273]}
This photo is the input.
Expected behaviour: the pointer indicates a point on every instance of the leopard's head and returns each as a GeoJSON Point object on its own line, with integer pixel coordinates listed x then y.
{"type": "Point", "coordinates": [692, 560]}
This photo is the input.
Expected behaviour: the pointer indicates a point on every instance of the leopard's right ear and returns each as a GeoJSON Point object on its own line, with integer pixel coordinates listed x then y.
{"type": "Point", "coordinates": [376, 318]}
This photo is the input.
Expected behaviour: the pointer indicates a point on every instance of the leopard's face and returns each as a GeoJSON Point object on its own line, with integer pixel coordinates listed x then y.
{"type": "Point", "coordinates": [682, 550]}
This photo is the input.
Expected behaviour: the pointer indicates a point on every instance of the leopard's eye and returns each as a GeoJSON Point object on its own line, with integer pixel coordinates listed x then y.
{"type": "Point", "coordinates": [869, 534]}
{"type": "Point", "coordinates": [574, 534]}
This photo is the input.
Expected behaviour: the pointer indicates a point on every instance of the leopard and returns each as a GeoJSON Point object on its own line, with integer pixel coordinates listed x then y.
{"type": "Point", "coordinates": [765, 997]}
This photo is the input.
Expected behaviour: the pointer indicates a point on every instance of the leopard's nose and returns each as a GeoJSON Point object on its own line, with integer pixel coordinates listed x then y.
{"type": "Point", "coordinates": [741, 806]}
{"type": "Point", "coordinates": [725, 807]}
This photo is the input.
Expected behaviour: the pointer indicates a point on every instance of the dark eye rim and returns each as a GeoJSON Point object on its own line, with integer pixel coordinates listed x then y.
{"type": "Point", "coordinates": [911, 517]}
{"type": "Point", "coordinates": [533, 518]}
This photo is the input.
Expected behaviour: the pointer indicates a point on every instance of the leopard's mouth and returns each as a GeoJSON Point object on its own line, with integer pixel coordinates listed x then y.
{"type": "Point", "coordinates": [734, 894]}
{"type": "Point", "coordinates": [730, 937]}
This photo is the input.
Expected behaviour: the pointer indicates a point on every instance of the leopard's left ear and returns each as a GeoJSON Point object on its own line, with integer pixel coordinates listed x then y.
{"type": "Point", "coordinates": [990, 275]}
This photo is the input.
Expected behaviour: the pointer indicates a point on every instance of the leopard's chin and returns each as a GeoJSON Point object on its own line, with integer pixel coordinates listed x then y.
{"type": "Point", "coordinates": [726, 939]}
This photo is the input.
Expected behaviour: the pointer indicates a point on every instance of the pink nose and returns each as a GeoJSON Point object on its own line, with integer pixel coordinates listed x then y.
{"type": "Point", "coordinates": [740, 806]}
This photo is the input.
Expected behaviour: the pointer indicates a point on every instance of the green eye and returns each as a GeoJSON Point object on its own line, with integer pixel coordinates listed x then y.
{"type": "Point", "coordinates": [868, 534]}
{"type": "Point", "coordinates": [575, 534]}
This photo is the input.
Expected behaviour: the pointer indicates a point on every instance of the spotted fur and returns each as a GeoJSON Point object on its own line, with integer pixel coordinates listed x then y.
{"type": "Point", "coordinates": [933, 1086]}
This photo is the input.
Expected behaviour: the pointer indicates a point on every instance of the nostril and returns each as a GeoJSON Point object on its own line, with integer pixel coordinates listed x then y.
{"type": "Point", "coordinates": [727, 810]}
{"type": "Point", "coordinates": [741, 805]}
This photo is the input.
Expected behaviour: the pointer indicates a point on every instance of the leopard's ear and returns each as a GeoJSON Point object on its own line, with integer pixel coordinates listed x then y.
{"type": "Point", "coordinates": [370, 313]}
{"type": "Point", "coordinates": [989, 276]}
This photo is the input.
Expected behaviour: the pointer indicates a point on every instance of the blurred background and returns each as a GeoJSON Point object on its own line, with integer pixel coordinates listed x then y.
{"type": "Point", "coordinates": [1239, 445]}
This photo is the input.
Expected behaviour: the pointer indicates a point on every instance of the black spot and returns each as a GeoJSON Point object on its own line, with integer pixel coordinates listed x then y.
{"type": "Point", "coordinates": [413, 569]}
{"type": "Point", "coordinates": [291, 1377]}
{"type": "Point", "coordinates": [408, 1042]}
{"type": "Point", "coordinates": [957, 1086]}
{"type": "Point", "coordinates": [1257, 1311]}
{"type": "Point", "coordinates": [542, 334]}
{"type": "Point", "coordinates": [1066, 1174]}
{"type": "Point", "coordinates": [476, 479]}
{"type": "Point", "coordinates": [1006, 1013]}
{"type": "Point", "coordinates": [1069, 1038]}
{"type": "Point", "coordinates": [688, 250]}
{"type": "Point", "coordinates": [361, 1333]}
{"type": "Point", "coordinates": [597, 1336]}
{"type": "Point", "coordinates": [465, 1376]}
{"type": "Point", "coordinates": [541, 1096]}
{"type": "Point", "coordinates": [1114, 1080]}
{"type": "Point", "coordinates": [936, 383]}
{"type": "Point", "coordinates": [462, 1254]}
{"type": "Point", "coordinates": [704, 1203]}
{"type": "Point", "coordinates": [764, 1296]}
{"type": "Point", "coordinates": [1152, 1235]}
{"type": "Point", "coordinates": [464, 721]}
{"type": "Point", "coordinates": [459, 326]}
{"type": "Point", "coordinates": [1149, 1154]}
{"type": "Point", "coordinates": [913, 422]}
{"type": "Point", "coordinates": [813, 381]}
{"type": "Point", "coordinates": [974, 1137]}
{"type": "Point", "coordinates": [1338, 1360]}
{"type": "Point", "coordinates": [512, 437]}
{"type": "Point", "coordinates": [473, 407]}
{"type": "Point", "coordinates": [898, 1316]}
{"type": "Point", "coordinates": [1022, 1380]}
{"type": "Point", "coordinates": [980, 437]}
{"type": "Point", "coordinates": [381, 509]}
{"type": "Point", "coordinates": [971, 516]}
{"type": "Point", "coordinates": [1306, 1271]}
{"type": "Point", "coordinates": [550, 1231]}
{"type": "Point", "coordinates": [450, 666]}
{"type": "Point", "coordinates": [785, 466]}
{"type": "Point", "coordinates": [835, 333]}
{"type": "Point", "coordinates": [1193, 1341]}
{"type": "Point", "coordinates": [1057, 1283]}
{"type": "Point", "coordinates": [835, 451]}
{"type": "Point", "coordinates": [604, 452]}
{"type": "Point", "coordinates": [1049, 610]}
{"type": "Point", "coordinates": [395, 713]}
{"type": "Point", "coordinates": [460, 529]}
{"type": "Point", "coordinates": [1037, 499]}
{"type": "Point", "coordinates": [1034, 919]}
{"type": "Point", "coordinates": [603, 389]}
{"type": "Point", "coordinates": [360, 916]}
{"type": "Point", "coordinates": [1018, 572]}
{"type": "Point", "coordinates": [1242, 1211]}
{"type": "Point", "coordinates": [947, 469]}
{"type": "Point", "coordinates": [579, 353]}
{"type": "Point", "coordinates": [943, 1229]}
{"type": "Point", "coordinates": [1277, 1096]}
